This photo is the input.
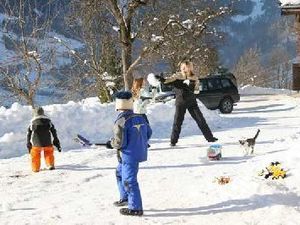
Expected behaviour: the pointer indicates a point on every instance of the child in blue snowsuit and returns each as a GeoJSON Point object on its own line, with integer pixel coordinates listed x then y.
{"type": "Point", "coordinates": [131, 135]}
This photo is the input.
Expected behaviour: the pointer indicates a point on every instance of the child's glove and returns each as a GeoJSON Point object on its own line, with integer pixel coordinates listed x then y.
{"type": "Point", "coordinates": [29, 146]}
{"type": "Point", "coordinates": [56, 143]}
{"type": "Point", "coordinates": [119, 156]}
{"type": "Point", "coordinates": [108, 145]}
{"type": "Point", "coordinates": [59, 149]}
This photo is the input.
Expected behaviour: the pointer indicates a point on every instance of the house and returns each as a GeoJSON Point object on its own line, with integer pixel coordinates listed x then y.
{"type": "Point", "coordinates": [287, 10]}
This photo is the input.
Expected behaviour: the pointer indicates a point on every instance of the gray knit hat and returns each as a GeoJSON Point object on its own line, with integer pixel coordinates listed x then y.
{"type": "Point", "coordinates": [39, 111]}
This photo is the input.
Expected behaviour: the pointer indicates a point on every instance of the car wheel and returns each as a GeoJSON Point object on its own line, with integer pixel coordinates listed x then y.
{"type": "Point", "coordinates": [226, 105]}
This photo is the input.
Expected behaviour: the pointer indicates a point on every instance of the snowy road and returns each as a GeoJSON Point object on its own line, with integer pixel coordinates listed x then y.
{"type": "Point", "coordinates": [177, 184]}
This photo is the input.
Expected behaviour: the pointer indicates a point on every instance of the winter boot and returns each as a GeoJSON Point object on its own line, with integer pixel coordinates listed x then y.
{"type": "Point", "coordinates": [172, 144]}
{"type": "Point", "coordinates": [121, 202]}
{"type": "Point", "coordinates": [214, 139]}
{"type": "Point", "coordinates": [51, 168]}
{"type": "Point", "coordinates": [131, 212]}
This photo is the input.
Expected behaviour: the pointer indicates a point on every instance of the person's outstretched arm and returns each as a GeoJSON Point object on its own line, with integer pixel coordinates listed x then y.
{"type": "Point", "coordinates": [56, 141]}
{"type": "Point", "coordinates": [149, 131]}
{"type": "Point", "coordinates": [173, 78]}
{"type": "Point", "coordinates": [170, 79]}
{"type": "Point", "coordinates": [29, 132]}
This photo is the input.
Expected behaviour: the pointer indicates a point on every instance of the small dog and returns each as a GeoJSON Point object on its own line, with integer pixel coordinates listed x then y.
{"type": "Point", "coordinates": [249, 143]}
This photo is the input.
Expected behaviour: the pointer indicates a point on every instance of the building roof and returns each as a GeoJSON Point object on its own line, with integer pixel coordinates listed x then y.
{"type": "Point", "coordinates": [290, 9]}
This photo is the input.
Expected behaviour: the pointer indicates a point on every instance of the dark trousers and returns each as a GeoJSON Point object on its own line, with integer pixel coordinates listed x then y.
{"type": "Point", "coordinates": [197, 116]}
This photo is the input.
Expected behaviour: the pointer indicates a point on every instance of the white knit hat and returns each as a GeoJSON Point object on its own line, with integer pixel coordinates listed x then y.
{"type": "Point", "coordinates": [124, 101]}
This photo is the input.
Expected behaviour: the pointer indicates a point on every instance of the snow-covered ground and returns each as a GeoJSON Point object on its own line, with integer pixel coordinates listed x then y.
{"type": "Point", "coordinates": [253, 90]}
{"type": "Point", "coordinates": [177, 184]}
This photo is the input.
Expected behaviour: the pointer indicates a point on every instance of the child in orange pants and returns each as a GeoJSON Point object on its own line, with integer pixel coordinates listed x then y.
{"type": "Point", "coordinates": [39, 139]}
{"type": "Point", "coordinates": [35, 153]}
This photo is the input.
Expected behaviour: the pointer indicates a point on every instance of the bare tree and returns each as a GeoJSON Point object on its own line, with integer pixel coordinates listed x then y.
{"type": "Point", "coordinates": [90, 74]}
{"type": "Point", "coordinates": [97, 67]}
{"type": "Point", "coordinates": [187, 33]}
{"type": "Point", "coordinates": [279, 69]}
{"type": "Point", "coordinates": [173, 30]}
{"type": "Point", "coordinates": [24, 28]}
{"type": "Point", "coordinates": [248, 69]}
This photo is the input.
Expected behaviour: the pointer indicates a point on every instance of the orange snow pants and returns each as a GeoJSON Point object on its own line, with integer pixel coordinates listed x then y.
{"type": "Point", "coordinates": [35, 153]}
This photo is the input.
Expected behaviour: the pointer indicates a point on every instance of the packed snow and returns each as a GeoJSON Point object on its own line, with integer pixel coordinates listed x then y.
{"type": "Point", "coordinates": [178, 185]}
{"type": "Point", "coordinates": [88, 117]}
{"type": "Point", "coordinates": [253, 90]}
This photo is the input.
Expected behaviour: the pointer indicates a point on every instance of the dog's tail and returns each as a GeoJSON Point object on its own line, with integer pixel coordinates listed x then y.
{"type": "Point", "coordinates": [256, 135]}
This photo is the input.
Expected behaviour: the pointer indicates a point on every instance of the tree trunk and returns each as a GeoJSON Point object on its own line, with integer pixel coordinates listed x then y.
{"type": "Point", "coordinates": [104, 95]}
{"type": "Point", "coordinates": [126, 55]}
{"type": "Point", "coordinates": [126, 62]}
{"type": "Point", "coordinates": [30, 101]}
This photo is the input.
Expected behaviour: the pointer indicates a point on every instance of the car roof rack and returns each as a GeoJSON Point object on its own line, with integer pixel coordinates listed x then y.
{"type": "Point", "coordinates": [226, 75]}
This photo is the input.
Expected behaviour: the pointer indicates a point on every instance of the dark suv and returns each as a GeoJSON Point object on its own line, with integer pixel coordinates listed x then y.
{"type": "Point", "coordinates": [218, 92]}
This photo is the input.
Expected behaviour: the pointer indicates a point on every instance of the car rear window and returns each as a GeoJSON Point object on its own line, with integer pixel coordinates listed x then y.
{"type": "Point", "coordinates": [214, 84]}
{"type": "Point", "coordinates": [166, 88]}
{"type": "Point", "coordinates": [203, 85]}
{"type": "Point", "coordinates": [226, 83]}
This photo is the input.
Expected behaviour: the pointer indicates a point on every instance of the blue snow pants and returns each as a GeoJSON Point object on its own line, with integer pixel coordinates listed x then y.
{"type": "Point", "coordinates": [128, 186]}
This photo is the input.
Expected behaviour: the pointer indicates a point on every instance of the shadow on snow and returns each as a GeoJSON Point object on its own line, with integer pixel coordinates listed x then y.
{"type": "Point", "coordinates": [237, 205]}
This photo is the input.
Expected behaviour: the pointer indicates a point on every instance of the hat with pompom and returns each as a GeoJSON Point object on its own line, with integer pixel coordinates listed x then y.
{"type": "Point", "coordinates": [124, 100]}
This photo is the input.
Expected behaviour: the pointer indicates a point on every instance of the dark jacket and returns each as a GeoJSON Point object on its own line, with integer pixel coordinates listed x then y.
{"type": "Point", "coordinates": [184, 88]}
{"type": "Point", "coordinates": [39, 132]}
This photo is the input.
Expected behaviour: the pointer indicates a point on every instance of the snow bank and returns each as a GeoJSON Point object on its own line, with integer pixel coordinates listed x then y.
{"type": "Point", "coordinates": [89, 118]}
{"type": "Point", "coordinates": [252, 90]}
{"type": "Point", "coordinates": [95, 120]}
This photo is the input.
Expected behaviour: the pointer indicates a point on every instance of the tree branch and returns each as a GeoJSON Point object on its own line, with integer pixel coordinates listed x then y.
{"type": "Point", "coordinates": [116, 12]}
{"type": "Point", "coordinates": [133, 6]}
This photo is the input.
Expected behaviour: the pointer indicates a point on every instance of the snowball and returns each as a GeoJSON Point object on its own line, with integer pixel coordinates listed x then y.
{"type": "Point", "coordinates": [152, 80]}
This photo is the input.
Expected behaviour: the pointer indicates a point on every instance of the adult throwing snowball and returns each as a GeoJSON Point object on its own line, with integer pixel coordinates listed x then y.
{"type": "Point", "coordinates": [186, 85]}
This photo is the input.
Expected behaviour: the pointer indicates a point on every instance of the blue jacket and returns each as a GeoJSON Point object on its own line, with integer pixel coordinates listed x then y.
{"type": "Point", "coordinates": [131, 136]}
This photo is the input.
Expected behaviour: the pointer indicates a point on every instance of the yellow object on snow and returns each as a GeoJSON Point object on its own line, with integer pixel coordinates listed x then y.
{"type": "Point", "coordinates": [274, 170]}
